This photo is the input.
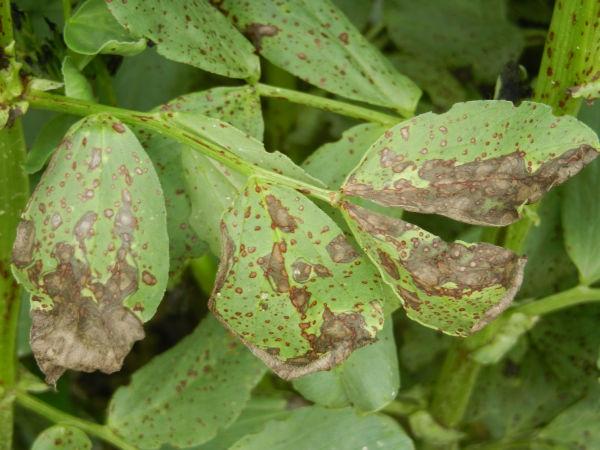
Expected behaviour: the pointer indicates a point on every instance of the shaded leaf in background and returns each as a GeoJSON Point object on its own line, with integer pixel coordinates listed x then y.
{"type": "Point", "coordinates": [92, 248]}
{"type": "Point", "coordinates": [76, 85]}
{"type": "Point", "coordinates": [569, 340]}
{"type": "Point", "coordinates": [62, 437]}
{"type": "Point", "coordinates": [92, 29]}
{"type": "Point", "coordinates": [258, 412]}
{"type": "Point", "coordinates": [462, 33]}
{"type": "Point", "coordinates": [369, 379]}
{"type": "Point", "coordinates": [290, 284]}
{"type": "Point", "coordinates": [358, 13]}
{"type": "Point", "coordinates": [576, 427]}
{"type": "Point", "coordinates": [332, 162]}
{"type": "Point", "coordinates": [184, 396]}
{"type": "Point", "coordinates": [549, 269]}
{"type": "Point", "coordinates": [191, 32]}
{"type": "Point", "coordinates": [314, 427]}
{"type": "Point", "coordinates": [477, 163]}
{"type": "Point", "coordinates": [435, 79]}
{"type": "Point", "coordinates": [163, 80]}
{"type": "Point", "coordinates": [517, 395]}
{"type": "Point", "coordinates": [48, 138]}
{"type": "Point", "coordinates": [581, 222]}
{"type": "Point", "coordinates": [316, 42]}
{"type": "Point", "coordinates": [457, 288]}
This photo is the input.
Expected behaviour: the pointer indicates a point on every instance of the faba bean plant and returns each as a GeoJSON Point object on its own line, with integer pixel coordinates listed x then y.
{"type": "Point", "coordinates": [299, 224]}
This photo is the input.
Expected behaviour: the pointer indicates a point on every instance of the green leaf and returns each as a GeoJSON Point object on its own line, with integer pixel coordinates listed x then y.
{"type": "Point", "coordinates": [163, 80]}
{"type": "Point", "coordinates": [576, 427]}
{"type": "Point", "coordinates": [478, 163]}
{"type": "Point", "coordinates": [92, 248]}
{"type": "Point", "coordinates": [257, 413]}
{"type": "Point", "coordinates": [315, 41]}
{"type": "Point", "coordinates": [92, 29]}
{"type": "Point", "coordinates": [369, 379]}
{"type": "Point", "coordinates": [581, 222]}
{"type": "Point", "coordinates": [478, 34]}
{"type": "Point", "coordinates": [47, 139]}
{"type": "Point", "coordinates": [319, 428]}
{"type": "Point", "coordinates": [186, 395]}
{"type": "Point", "coordinates": [76, 85]}
{"type": "Point", "coordinates": [457, 288]}
{"type": "Point", "coordinates": [331, 163]}
{"type": "Point", "coordinates": [192, 33]}
{"type": "Point", "coordinates": [427, 430]}
{"type": "Point", "coordinates": [62, 437]}
{"type": "Point", "coordinates": [290, 285]}
{"type": "Point", "coordinates": [184, 242]}
{"type": "Point", "coordinates": [434, 78]}
{"type": "Point", "coordinates": [569, 341]}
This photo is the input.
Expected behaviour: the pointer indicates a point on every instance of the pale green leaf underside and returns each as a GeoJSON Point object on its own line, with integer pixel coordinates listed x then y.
{"type": "Point", "coordinates": [76, 84]}
{"type": "Point", "coordinates": [92, 29]}
{"type": "Point", "coordinates": [332, 162]}
{"type": "Point", "coordinates": [471, 33]}
{"type": "Point", "coordinates": [581, 222]}
{"type": "Point", "coordinates": [477, 163]}
{"type": "Point", "coordinates": [47, 139]}
{"type": "Point", "coordinates": [290, 285]}
{"type": "Point", "coordinates": [456, 288]}
{"type": "Point", "coordinates": [92, 248]}
{"type": "Point", "coordinates": [62, 437]}
{"type": "Point", "coordinates": [315, 41]}
{"type": "Point", "coordinates": [369, 379]}
{"type": "Point", "coordinates": [314, 427]}
{"type": "Point", "coordinates": [186, 395]}
{"type": "Point", "coordinates": [191, 32]}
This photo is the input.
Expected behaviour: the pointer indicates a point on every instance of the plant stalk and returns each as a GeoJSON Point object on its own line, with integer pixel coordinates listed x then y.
{"type": "Point", "coordinates": [60, 417]}
{"type": "Point", "coordinates": [552, 303]}
{"type": "Point", "coordinates": [327, 104]}
{"type": "Point", "coordinates": [160, 123]}
{"type": "Point", "coordinates": [13, 195]}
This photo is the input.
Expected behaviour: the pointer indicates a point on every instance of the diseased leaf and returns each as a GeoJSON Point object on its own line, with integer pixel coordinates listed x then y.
{"type": "Point", "coordinates": [92, 29]}
{"type": "Point", "coordinates": [186, 395]}
{"type": "Point", "coordinates": [62, 437]}
{"type": "Point", "coordinates": [76, 85]}
{"type": "Point", "coordinates": [315, 41]}
{"type": "Point", "coordinates": [369, 379]}
{"type": "Point", "coordinates": [319, 428]}
{"type": "Point", "coordinates": [191, 32]}
{"type": "Point", "coordinates": [47, 139]}
{"type": "Point", "coordinates": [184, 242]}
{"type": "Point", "coordinates": [257, 413]}
{"type": "Point", "coordinates": [331, 163]}
{"type": "Point", "coordinates": [290, 284]}
{"type": "Point", "coordinates": [588, 91]}
{"type": "Point", "coordinates": [92, 248]}
{"type": "Point", "coordinates": [576, 427]}
{"type": "Point", "coordinates": [471, 33]}
{"type": "Point", "coordinates": [581, 222]}
{"type": "Point", "coordinates": [477, 163]}
{"type": "Point", "coordinates": [457, 288]}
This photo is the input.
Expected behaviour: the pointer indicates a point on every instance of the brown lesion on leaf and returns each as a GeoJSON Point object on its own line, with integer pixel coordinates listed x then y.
{"type": "Point", "coordinates": [22, 252]}
{"type": "Point", "coordinates": [486, 192]}
{"type": "Point", "coordinates": [280, 215]}
{"type": "Point", "coordinates": [80, 332]}
{"type": "Point", "coordinates": [257, 31]}
{"type": "Point", "coordinates": [273, 266]}
{"type": "Point", "coordinates": [300, 298]}
{"type": "Point", "coordinates": [340, 250]}
{"type": "Point", "coordinates": [438, 268]}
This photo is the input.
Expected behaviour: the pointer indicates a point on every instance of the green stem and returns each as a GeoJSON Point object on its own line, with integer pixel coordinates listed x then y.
{"type": "Point", "coordinates": [571, 57]}
{"type": "Point", "coordinates": [60, 417]}
{"type": "Point", "coordinates": [161, 123]}
{"type": "Point", "coordinates": [564, 299]}
{"type": "Point", "coordinates": [13, 195]}
{"type": "Point", "coordinates": [454, 386]}
{"type": "Point", "coordinates": [327, 104]}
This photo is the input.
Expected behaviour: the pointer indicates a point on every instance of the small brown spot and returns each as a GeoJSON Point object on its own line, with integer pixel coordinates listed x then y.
{"type": "Point", "coordinates": [22, 252]}
{"type": "Point", "coordinates": [148, 278]}
{"type": "Point", "coordinates": [118, 127]}
{"type": "Point", "coordinates": [344, 37]}
{"type": "Point", "coordinates": [257, 31]}
{"type": "Point", "coordinates": [340, 250]}
{"type": "Point", "coordinates": [300, 298]}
